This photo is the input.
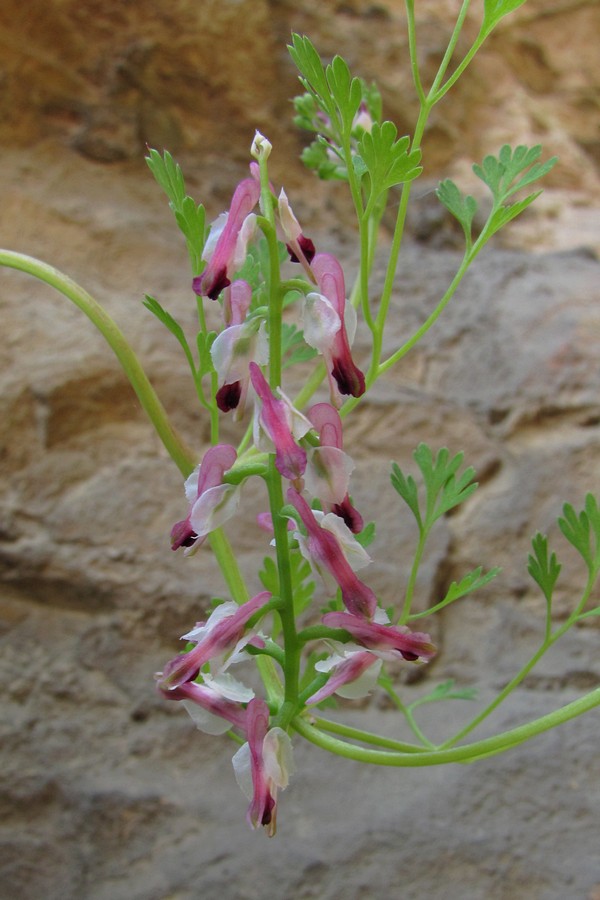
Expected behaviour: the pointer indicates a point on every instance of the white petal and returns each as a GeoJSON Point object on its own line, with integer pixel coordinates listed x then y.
{"type": "Point", "coordinates": [363, 685]}
{"type": "Point", "coordinates": [229, 687]}
{"type": "Point", "coordinates": [320, 320]}
{"type": "Point", "coordinates": [356, 554]}
{"type": "Point", "coordinates": [215, 233]}
{"type": "Point", "coordinates": [350, 321]}
{"type": "Point", "coordinates": [214, 508]}
{"type": "Point", "coordinates": [205, 720]}
{"type": "Point", "coordinates": [220, 612]}
{"type": "Point", "coordinates": [278, 759]}
{"type": "Point", "coordinates": [243, 770]}
{"type": "Point", "coordinates": [327, 475]}
{"type": "Point", "coordinates": [191, 485]}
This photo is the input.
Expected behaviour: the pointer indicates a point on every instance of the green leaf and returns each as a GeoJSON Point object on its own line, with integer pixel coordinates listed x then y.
{"type": "Point", "coordinates": [471, 582]}
{"type": "Point", "coordinates": [582, 530]}
{"type": "Point", "coordinates": [308, 62]}
{"type": "Point", "coordinates": [346, 91]}
{"type": "Point", "coordinates": [501, 173]}
{"type": "Point", "coordinates": [406, 486]}
{"type": "Point", "coordinates": [293, 347]}
{"type": "Point", "coordinates": [189, 217]}
{"type": "Point", "coordinates": [387, 160]}
{"type": "Point", "coordinates": [204, 342]}
{"type": "Point", "coordinates": [505, 214]}
{"type": "Point", "coordinates": [444, 489]}
{"type": "Point", "coordinates": [367, 535]}
{"type": "Point", "coordinates": [168, 175]}
{"type": "Point", "coordinates": [173, 326]}
{"type": "Point", "coordinates": [191, 221]}
{"type": "Point", "coordinates": [462, 207]}
{"type": "Point", "coordinates": [495, 10]}
{"type": "Point", "coordinates": [446, 691]}
{"type": "Point", "coordinates": [544, 569]}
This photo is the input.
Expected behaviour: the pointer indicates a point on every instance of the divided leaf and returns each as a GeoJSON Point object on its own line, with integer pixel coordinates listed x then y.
{"type": "Point", "coordinates": [583, 531]}
{"type": "Point", "coordinates": [462, 207]}
{"type": "Point", "coordinates": [444, 488]}
{"type": "Point", "coordinates": [495, 10]}
{"type": "Point", "coordinates": [189, 217]}
{"type": "Point", "coordinates": [501, 172]}
{"type": "Point", "coordinates": [387, 160]}
{"type": "Point", "coordinates": [471, 582]}
{"type": "Point", "coordinates": [294, 349]}
{"type": "Point", "coordinates": [543, 568]}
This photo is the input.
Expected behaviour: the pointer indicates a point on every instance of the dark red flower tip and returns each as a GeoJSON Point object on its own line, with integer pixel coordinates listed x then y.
{"type": "Point", "coordinates": [228, 396]}
{"type": "Point", "coordinates": [350, 380]}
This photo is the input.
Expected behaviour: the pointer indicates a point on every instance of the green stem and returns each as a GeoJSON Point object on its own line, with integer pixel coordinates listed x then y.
{"type": "Point", "coordinates": [366, 737]}
{"type": "Point", "coordinates": [183, 458]}
{"type": "Point", "coordinates": [467, 753]}
{"type": "Point", "coordinates": [410, 587]}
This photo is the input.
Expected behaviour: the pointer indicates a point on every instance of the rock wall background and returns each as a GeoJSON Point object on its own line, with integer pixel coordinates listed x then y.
{"type": "Point", "coordinates": [107, 792]}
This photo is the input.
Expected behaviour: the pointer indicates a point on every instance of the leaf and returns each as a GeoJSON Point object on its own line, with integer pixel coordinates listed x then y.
{"type": "Point", "coordinates": [293, 347]}
{"type": "Point", "coordinates": [446, 691]}
{"type": "Point", "coordinates": [367, 535]}
{"type": "Point", "coordinates": [543, 569]}
{"type": "Point", "coordinates": [583, 531]}
{"type": "Point", "coordinates": [204, 342]}
{"type": "Point", "coordinates": [444, 490]}
{"type": "Point", "coordinates": [471, 582]}
{"type": "Point", "coordinates": [406, 486]}
{"type": "Point", "coordinates": [499, 173]}
{"type": "Point", "coordinates": [189, 217]}
{"type": "Point", "coordinates": [495, 10]}
{"type": "Point", "coordinates": [387, 160]}
{"type": "Point", "coordinates": [346, 91]}
{"type": "Point", "coordinates": [303, 587]}
{"type": "Point", "coordinates": [173, 326]}
{"type": "Point", "coordinates": [462, 207]}
{"type": "Point", "coordinates": [308, 62]}
{"type": "Point", "coordinates": [168, 175]}
{"type": "Point", "coordinates": [191, 220]}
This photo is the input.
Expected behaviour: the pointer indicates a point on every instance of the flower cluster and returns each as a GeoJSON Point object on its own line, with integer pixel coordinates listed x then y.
{"type": "Point", "coordinates": [322, 522]}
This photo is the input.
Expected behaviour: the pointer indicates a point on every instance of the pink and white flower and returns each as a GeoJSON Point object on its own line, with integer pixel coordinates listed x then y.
{"type": "Point", "coordinates": [300, 248]}
{"type": "Point", "coordinates": [225, 249]}
{"type": "Point", "coordinates": [263, 765]}
{"type": "Point", "coordinates": [328, 472]}
{"type": "Point", "coordinates": [211, 501]}
{"type": "Point", "coordinates": [283, 425]}
{"type": "Point", "coordinates": [329, 325]}
{"type": "Point", "coordinates": [330, 547]}
{"type": "Point", "coordinates": [388, 641]}
{"type": "Point", "coordinates": [224, 634]}
{"type": "Point", "coordinates": [354, 672]}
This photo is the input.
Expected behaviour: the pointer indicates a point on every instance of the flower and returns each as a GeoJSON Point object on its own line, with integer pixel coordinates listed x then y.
{"type": "Point", "coordinates": [225, 249]}
{"type": "Point", "coordinates": [214, 706]}
{"type": "Point", "coordinates": [389, 641]}
{"type": "Point", "coordinates": [329, 468]}
{"type": "Point", "coordinates": [354, 672]}
{"type": "Point", "coordinates": [300, 248]}
{"type": "Point", "coordinates": [329, 325]}
{"type": "Point", "coordinates": [211, 501]}
{"type": "Point", "coordinates": [219, 636]}
{"type": "Point", "coordinates": [262, 765]}
{"type": "Point", "coordinates": [281, 423]}
{"type": "Point", "coordinates": [231, 352]}
{"type": "Point", "coordinates": [261, 146]}
{"type": "Point", "coordinates": [329, 545]}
